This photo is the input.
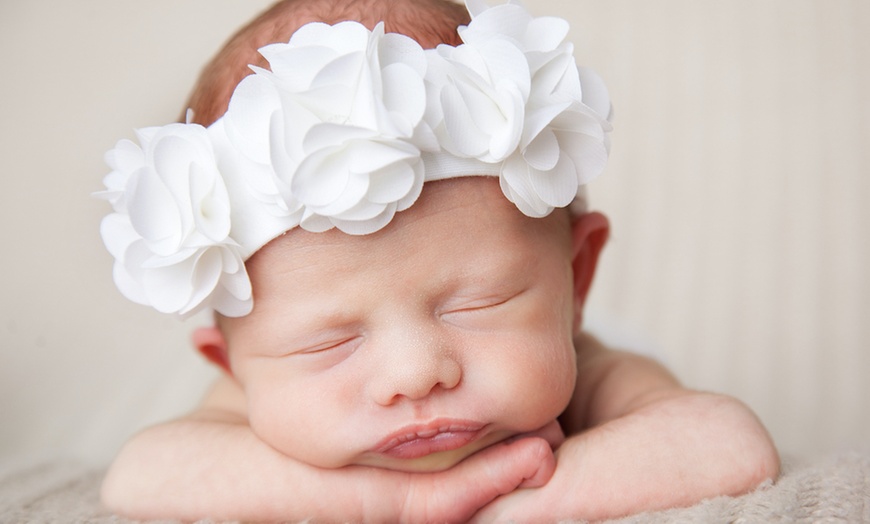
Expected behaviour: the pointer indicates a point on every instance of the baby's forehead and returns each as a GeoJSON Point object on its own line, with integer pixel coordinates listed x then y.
{"type": "Point", "coordinates": [449, 217]}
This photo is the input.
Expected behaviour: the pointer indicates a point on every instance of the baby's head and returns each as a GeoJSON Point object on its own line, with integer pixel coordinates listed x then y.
{"type": "Point", "coordinates": [394, 239]}
{"type": "Point", "coordinates": [429, 22]}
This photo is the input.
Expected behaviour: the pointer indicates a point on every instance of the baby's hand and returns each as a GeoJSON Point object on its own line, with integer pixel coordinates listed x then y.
{"type": "Point", "coordinates": [456, 494]}
{"type": "Point", "coordinates": [548, 503]}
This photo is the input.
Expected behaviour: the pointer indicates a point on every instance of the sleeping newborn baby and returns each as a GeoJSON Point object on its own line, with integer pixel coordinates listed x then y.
{"type": "Point", "coordinates": [386, 213]}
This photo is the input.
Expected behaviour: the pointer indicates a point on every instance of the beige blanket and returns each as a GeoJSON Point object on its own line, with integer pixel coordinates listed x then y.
{"type": "Point", "coordinates": [834, 489]}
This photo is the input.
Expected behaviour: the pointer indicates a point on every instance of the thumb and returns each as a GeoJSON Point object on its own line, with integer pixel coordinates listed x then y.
{"type": "Point", "coordinates": [456, 494]}
{"type": "Point", "coordinates": [523, 463]}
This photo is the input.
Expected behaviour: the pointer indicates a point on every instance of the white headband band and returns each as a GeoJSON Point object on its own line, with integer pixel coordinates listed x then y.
{"type": "Point", "coordinates": [342, 131]}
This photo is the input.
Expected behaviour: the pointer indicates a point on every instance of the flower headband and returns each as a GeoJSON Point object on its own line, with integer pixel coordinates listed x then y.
{"type": "Point", "coordinates": [342, 131]}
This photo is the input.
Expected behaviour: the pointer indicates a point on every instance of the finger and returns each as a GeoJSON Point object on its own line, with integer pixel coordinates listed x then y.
{"type": "Point", "coordinates": [456, 494]}
{"type": "Point", "coordinates": [527, 462]}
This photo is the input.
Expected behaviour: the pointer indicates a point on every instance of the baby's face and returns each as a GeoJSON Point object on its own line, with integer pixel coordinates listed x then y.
{"type": "Point", "coordinates": [413, 347]}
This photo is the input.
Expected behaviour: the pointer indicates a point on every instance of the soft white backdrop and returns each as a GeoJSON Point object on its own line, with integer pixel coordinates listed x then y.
{"type": "Point", "coordinates": [738, 193]}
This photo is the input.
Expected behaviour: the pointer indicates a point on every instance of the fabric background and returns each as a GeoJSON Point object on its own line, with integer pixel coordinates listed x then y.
{"type": "Point", "coordinates": [737, 191]}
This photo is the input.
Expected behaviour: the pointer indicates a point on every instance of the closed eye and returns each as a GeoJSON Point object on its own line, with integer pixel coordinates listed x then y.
{"type": "Point", "coordinates": [479, 313]}
{"type": "Point", "coordinates": [322, 355]}
{"type": "Point", "coordinates": [331, 345]}
{"type": "Point", "coordinates": [481, 305]}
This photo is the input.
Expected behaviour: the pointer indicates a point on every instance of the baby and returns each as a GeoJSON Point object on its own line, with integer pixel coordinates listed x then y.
{"type": "Point", "coordinates": [388, 219]}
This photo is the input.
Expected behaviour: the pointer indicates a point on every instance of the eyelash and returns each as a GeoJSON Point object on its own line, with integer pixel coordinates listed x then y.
{"type": "Point", "coordinates": [486, 305]}
{"type": "Point", "coordinates": [482, 307]}
{"type": "Point", "coordinates": [324, 347]}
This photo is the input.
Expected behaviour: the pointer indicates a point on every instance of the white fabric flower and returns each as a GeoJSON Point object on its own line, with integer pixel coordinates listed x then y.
{"type": "Point", "coordinates": [335, 124]}
{"type": "Point", "coordinates": [342, 131]}
{"type": "Point", "coordinates": [170, 233]}
{"type": "Point", "coordinates": [477, 95]}
{"type": "Point", "coordinates": [512, 94]}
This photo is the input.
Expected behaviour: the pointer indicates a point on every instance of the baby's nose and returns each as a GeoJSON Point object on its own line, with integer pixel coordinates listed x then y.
{"type": "Point", "coordinates": [413, 367]}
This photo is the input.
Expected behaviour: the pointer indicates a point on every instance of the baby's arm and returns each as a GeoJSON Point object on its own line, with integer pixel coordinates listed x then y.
{"type": "Point", "coordinates": [651, 445]}
{"type": "Point", "coordinates": [210, 464]}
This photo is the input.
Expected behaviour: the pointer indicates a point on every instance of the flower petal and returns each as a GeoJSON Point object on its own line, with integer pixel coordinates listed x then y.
{"type": "Point", "coordinates": [595, 92]}
{"type": "Point", "coordinates": [153, 212]}
{"type": "Point", "coordinates": [127, 272]}
{"type": "Point", "coordinates": [538, 118]}
{"type": "Point", "coordinates": [589, 155]}
{"type": "Point", "coordinates": [404, 96]}
{"type": "Point", "coordinates": [169, 288]}
{"type": "Point", "coordinates": [226, 303]}
{"type": "Point", "coordinates": [247, 119]}
{"type": "Point", "coordinates": [207, 272]}
{"type": "Point", "coordinates": [545, 33]}
{"type": "Point", "coordinates": [556, 187]}
{"type": "Point", "coordinates": [391, 183]}
{"type": "Point", "coordinates": [543, 152]}
{"type": "Point", "coordinates": [320, 177]}
{"type": "Point", "coordinates": [315, 223]}
{"type": "Point", "coordinates": [353, 193]}
{"type": "Point", "coordinates": [414, 193]}
{"type": "Point", "coordinates": [505, 138]}
{"type": "Point", "coordinates": [467, 137]}
{"type": "Point", "coordinates": [396, 48]}
{"type": "Point", "coordinates": [368, 226]}
{"type": "Point", "coordinates": [237, 283]}
{"type": "Point", "coordinates": [211, 204]}
{"type": "Point", "coordinates": [125, 157]}
{"type": "Point", "coordinates": [118, 233]}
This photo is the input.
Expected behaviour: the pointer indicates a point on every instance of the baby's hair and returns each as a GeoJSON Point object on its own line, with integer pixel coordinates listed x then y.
{"type": "Point", "coordinates": [429, 22]}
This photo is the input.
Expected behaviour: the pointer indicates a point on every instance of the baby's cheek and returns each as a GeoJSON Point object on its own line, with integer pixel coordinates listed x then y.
{"type": "Point", "coordinates": [265, 421]}
{"type": "Point", "coordinates": [302, 426]}
{"type": "Point", "coordinates": [561, 376]}
{"type": "Point", "coordinates": [276, 420]}
{"type": "Point", "coordinates": [541, 383]}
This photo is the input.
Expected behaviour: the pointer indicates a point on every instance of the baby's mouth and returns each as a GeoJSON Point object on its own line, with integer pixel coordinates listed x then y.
{"type": "Point", "coordinates": [420, 440]}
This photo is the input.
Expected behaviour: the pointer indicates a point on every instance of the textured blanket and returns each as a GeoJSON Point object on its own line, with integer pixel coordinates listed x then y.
{"type": "Point", "coordinates": [835, 489]}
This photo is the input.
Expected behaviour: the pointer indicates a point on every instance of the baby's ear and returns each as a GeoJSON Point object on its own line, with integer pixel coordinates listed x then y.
{"type": "Point", "coordinates": [210, 342]}
{"type": "Point", "coordinates": [588, 234]}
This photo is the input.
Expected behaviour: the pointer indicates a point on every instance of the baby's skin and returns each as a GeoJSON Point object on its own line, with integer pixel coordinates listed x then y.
{"type": "Point", "coordinates": [435, 371]}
